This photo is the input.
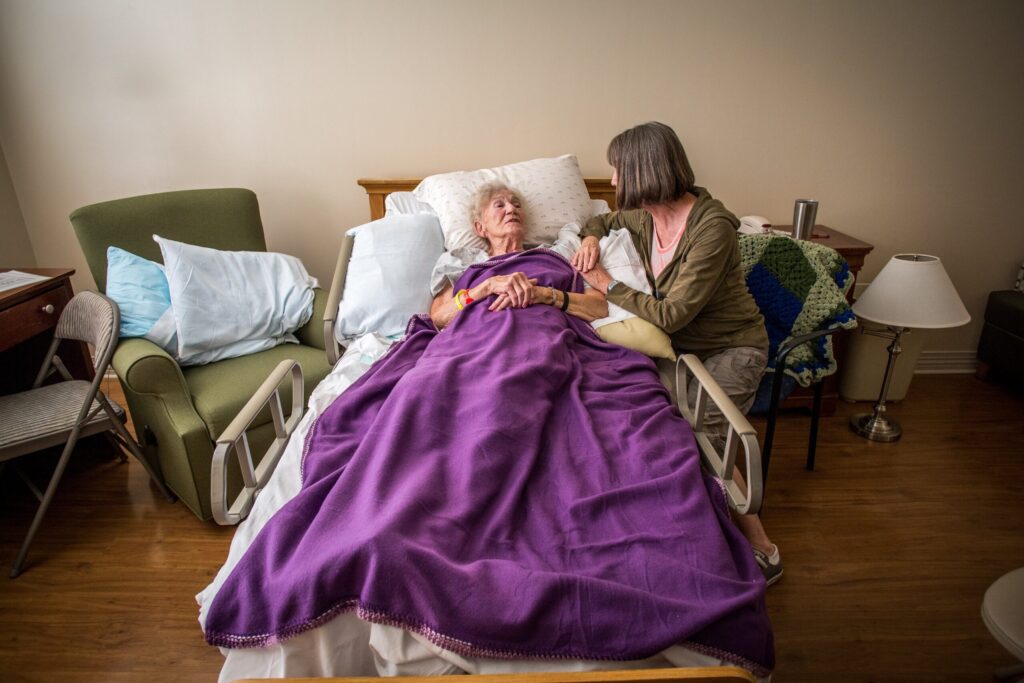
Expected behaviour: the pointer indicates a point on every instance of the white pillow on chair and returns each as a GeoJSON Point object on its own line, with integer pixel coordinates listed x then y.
{"type": "Point", "coordinates": [552, 190]}
{"type": "Point", "coordinates": [233, 303]}
{"type": "Point", "coordinates": [388, 277]}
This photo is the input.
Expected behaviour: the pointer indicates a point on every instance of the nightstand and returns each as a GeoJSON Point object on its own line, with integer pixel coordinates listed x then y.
{"type": "Point", "coordinates": [28, 316]}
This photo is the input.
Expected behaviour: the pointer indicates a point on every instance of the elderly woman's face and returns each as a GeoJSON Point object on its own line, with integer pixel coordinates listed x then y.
{"type": "Point", "coordinates": [502, 216]}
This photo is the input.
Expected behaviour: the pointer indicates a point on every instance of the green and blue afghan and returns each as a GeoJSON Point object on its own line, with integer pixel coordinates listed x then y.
{"type": "Point", "coordinates": [800, 287]}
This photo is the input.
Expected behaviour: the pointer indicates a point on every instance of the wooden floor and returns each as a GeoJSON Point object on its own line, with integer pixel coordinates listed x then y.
{"type": "Point", "coordinates": [888, 548]}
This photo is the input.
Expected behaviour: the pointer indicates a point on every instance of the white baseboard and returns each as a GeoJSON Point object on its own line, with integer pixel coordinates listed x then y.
{"type": "Point", "coordinates": [946, 363]}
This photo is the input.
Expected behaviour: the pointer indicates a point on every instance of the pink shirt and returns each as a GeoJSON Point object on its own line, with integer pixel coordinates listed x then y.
{"type": "Point", "coordinates": [662, 254]}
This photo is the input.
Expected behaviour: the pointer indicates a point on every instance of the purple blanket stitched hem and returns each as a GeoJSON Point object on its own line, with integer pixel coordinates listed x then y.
{"type": "Point", "coordinates": [459, 647]}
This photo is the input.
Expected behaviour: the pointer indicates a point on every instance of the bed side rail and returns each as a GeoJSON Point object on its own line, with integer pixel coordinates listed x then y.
{"type": "Point", "coordinates": [334, 349]}
{"type": "Point", "coordinates": [745, 500]}
{"type": "Point", "coordinates": [234, 439]}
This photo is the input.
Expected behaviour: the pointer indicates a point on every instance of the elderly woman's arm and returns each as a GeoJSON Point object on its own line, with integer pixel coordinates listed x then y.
{"type": "Point", "coordinates": [443, 308]}
{"type": "Point", "coordinates": [589, 306]}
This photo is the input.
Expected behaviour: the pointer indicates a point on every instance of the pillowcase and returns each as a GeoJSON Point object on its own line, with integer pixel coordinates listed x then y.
{"type": "Point", "coordinates": [599, 206]}
{"type": "Point", "coordinates": [552, 190]}
{"type": "Point", "coordinates": [139, 287]}
{"type": "Point", "coordinates": [620, 258]}
{"type": "Point", "coordinates": [233, 303]}
{"type": "Point", "coordinates": [404, 203]}
{"type": "Point", "coordinates": [639, 335]}
{"type": "Point", "coordinates": [388, 278]}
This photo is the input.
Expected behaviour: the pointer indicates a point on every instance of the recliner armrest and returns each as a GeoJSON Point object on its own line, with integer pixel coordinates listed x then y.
{"type": "Point", "coordinates": [310, 334]}
{"type": "Point", "coordinates": [147, 369]}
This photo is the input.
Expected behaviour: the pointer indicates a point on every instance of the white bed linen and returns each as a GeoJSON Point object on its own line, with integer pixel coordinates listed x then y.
{"type": "Point", "coordinates": [347, 645]}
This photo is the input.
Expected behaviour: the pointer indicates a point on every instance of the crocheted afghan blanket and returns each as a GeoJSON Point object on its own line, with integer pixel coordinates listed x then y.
{"type": "Point", "coordinates": [800, 287]}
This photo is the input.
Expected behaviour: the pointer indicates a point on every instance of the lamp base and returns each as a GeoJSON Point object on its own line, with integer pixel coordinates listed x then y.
{"type": "Point", "coordinates": [880, 428]}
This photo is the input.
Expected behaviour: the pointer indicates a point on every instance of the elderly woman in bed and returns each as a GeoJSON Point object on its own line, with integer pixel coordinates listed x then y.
{"type": "Point", "coordinates": [497, 216]}
{"type": "Point", "coordinates": [511, 487]}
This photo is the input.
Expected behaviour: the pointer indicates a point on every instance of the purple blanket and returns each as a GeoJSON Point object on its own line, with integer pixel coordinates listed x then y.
{"type": "Point", "coordinates": [510, 487]}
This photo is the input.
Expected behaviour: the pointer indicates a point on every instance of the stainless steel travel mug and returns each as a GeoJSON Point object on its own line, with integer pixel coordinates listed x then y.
{"type": "Point", "coordinates": [804, 213]}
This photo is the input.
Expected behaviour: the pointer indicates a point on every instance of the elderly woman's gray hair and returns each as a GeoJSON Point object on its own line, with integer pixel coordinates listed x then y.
{"type": "Point", "coordinates": [483, 195]}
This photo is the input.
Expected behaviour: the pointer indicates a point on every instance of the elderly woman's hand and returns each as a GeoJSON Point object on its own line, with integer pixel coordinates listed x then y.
{"type": "Point", "coordinates": [588, 255]}
{"type": "Point", "coordinates": [598, 278]}
{"type": "Point", "coordinates": [515, 290]}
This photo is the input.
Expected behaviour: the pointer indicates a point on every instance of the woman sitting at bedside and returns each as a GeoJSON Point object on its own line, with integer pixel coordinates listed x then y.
{"type": "Point", "coordinates": [687, 240]}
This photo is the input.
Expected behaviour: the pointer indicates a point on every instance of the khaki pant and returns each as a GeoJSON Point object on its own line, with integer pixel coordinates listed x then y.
{"type": "Point", "coordinates": [738, 371]}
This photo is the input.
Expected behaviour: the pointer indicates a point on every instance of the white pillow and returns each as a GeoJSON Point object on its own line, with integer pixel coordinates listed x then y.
{"type": "Point", "coordinates": [552, 190]}
{"type": "Point", "coordinates": [620, 259]}
{"type": "Point", "coordinates": [388, 278]}
{"type": "Point", "coordinates": [233, 303]}
{"type": "Point", "coordinates": [623, 263]}
{"type": "Point", "coordinates": [599, 206]}
{"type": "Point", "coordinates": [404, 203]}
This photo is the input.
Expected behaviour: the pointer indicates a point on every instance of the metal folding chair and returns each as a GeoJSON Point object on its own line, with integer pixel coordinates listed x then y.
{"type": "Point", "coordinates": [62, 412]}
{"type": "Point", "coordinates": [773, 410]}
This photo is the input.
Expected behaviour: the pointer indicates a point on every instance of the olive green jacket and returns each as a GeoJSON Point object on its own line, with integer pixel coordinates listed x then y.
{"type": "Point", "coordinates": [701, 298]}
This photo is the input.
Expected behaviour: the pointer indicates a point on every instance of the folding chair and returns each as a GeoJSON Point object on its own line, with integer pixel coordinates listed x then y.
{"type": "Point", "coordinates": [62, 412]}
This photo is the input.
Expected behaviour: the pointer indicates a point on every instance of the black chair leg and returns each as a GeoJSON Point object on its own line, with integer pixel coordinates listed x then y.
{"type": "Point", "coordinates": [812, 445]}
{"type": "Point", "coordinates": [769, 432]}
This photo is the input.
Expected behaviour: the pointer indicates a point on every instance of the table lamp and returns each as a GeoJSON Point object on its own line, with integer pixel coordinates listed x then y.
{"type": "Point", "coordinates": [912, 291]}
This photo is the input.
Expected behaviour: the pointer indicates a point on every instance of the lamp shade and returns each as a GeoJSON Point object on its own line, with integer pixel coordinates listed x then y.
{"type": "Point", "coordinates": [913, 290]}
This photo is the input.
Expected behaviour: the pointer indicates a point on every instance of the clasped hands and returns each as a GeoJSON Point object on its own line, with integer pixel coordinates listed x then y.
{"type": "Point", "coordinates": [518, 291]}
{"type": "Point", "coordinates": [513, 291]}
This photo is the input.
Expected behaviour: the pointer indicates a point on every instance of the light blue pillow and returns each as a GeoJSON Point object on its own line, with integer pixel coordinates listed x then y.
{"type": "Point", "coordinates": [140, 289]}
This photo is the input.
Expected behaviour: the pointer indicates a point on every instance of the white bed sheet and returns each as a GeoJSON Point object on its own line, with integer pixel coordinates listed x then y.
{"type": "Point", "coordinates": [347, 645]}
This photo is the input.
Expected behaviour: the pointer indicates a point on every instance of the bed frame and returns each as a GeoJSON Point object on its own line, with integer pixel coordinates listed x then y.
{"type": "Point", "coordinates": [744, 496]}
{"type": "Point", "coordinates": [710, 674]}
{"type": "Point", "coordinates": [377, 191]}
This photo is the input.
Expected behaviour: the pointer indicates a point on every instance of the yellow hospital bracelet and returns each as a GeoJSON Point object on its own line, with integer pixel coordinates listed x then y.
{"type": "Point", "coordinates": [459, 303]}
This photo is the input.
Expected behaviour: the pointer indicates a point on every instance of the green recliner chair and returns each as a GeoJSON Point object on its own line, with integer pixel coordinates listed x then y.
{"type": "Point", "coordinates": [179, 412]}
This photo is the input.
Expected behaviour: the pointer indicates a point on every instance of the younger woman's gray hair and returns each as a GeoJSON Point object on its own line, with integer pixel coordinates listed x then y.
{"type": "Point", "coordinates": [483, 195]}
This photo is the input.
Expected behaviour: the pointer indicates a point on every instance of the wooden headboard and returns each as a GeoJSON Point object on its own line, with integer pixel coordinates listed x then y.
{"type": "Point", "coordinates": [378, 190]}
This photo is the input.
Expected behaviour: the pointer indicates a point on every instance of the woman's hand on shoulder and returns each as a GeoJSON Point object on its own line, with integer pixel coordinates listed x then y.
{"type": "Point", "coordinates": [588, 255]}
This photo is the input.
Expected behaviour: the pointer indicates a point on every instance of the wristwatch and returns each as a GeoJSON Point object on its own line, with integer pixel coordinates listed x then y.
{"type": "Point", "coordinates": [611, 284]}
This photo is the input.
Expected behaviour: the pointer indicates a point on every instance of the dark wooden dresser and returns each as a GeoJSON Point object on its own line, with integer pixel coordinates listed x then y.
{"type": "Point", "coordinates": [28, 316]}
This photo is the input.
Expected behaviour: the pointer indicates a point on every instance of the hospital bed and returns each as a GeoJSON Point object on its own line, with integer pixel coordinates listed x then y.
{"type": "Point", "coordinates": [347, 644]}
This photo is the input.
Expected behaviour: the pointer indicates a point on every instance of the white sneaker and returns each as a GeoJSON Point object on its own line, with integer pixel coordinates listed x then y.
{"type": "Point", "coordinates": [770, 564]}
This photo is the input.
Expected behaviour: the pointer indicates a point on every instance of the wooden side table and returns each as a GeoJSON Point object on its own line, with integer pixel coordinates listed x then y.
{"type": "Point", "coordinates": [28, 316]}
{"type": "Point", "coordinates": [854, 251]}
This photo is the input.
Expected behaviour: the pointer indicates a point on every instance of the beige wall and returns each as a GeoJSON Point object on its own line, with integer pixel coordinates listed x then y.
{"type": "Point", "coordinates": [903, 119]}
{"type": "Point", "coordinates": [15, 247]}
